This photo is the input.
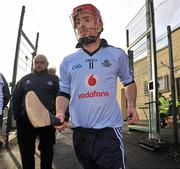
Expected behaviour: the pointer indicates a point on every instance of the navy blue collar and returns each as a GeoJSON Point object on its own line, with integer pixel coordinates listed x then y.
{"type": "Point", "coordinates": [103, 43]}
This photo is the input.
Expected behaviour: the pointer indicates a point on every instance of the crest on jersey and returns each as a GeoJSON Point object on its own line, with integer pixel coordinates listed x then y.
{"type": "Point", "coordinates": [106, 63]}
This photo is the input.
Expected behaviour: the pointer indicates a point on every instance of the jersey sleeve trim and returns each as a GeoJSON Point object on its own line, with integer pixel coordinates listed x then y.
{"type": "Point", "coordinates": [129, 83]}
{"type": "Point", "coordinates": [64, 94]}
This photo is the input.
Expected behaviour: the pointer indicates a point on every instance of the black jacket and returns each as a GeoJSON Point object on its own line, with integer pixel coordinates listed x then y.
{"type": "Point", "coordinates": [45, 86]}
{"type": "Point", "coordinates": [5, 91]}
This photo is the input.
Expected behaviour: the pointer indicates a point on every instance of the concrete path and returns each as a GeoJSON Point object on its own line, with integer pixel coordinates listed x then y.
{"type": "Point", "coordinates": [136, 156]}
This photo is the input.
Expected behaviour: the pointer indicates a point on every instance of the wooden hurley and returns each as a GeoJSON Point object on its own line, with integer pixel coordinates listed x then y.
{"type": "Point", "coordinates": [38, 114]}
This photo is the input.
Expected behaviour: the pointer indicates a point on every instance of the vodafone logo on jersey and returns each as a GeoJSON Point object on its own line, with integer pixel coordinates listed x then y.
{"type": "Point", "coordinates": [91, 82]}
{"type": "Point", "coordinates": [93, 94]}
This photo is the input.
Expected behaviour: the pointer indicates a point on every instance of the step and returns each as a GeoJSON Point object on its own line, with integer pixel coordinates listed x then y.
{"type": "Point", "coordinates": [139, 128]}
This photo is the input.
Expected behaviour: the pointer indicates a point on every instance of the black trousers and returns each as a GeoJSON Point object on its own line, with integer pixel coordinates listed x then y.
{"type": "Point", "coordinates": [99, 148]}
{"type": "Point", "coordinates": [1, 120]}
{"type": "Point", "coordinates": [27, 135]}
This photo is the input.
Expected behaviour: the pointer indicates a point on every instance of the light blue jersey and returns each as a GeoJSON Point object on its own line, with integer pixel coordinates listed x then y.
{"type": "Point", "coordinates": [91, 81]}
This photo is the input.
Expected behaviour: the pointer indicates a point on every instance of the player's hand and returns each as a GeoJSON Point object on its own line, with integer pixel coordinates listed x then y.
{"type": "Point", "coordinates": [61, 117]}
{"type": "Point", "coordinates": [132, 116]}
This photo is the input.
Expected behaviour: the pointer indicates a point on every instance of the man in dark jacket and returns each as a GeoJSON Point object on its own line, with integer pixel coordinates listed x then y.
{"type": "Point", "coordinates": [46, 87]}
{"type": "Point", "coordinates": [4, 99]}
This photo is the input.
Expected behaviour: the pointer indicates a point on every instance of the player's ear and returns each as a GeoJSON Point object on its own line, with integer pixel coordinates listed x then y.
{"type": "Point", "coordinates": [99, 27]}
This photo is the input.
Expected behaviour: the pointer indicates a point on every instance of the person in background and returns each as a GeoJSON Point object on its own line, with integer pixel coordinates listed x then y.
{"type": "Point", "coordinates": [163, 109]}
{"type": "Point", "coordinates": [170, 103]}
{"type": "Point", "coordinates": [4, 99]}
{"type": "Point", "coordinates": [88, 80]}
{"type": "Point", "coordinates": [52, 70]}
{"type": "Point", "coordinates": [46, 87]}
{"type": "Point", "coordinates": [169, 120]}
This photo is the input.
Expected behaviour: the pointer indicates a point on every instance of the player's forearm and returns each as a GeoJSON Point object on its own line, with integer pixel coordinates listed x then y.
{"type": "Point", "coordinates": [62, 104]}
{"type": "Point", "coordinates": [131, 93]}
